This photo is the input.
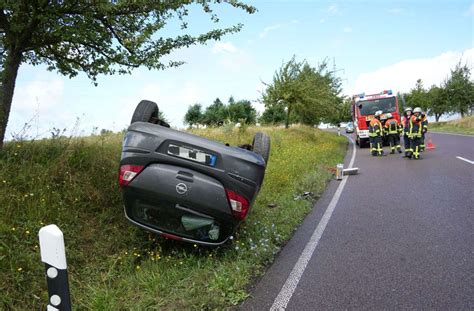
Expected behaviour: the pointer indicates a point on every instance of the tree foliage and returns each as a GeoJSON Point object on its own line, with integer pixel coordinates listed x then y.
{"type": "Point", "coordinates": [242, 111]}
{"type": "Point", "coordinates": [94, 37]}
{"type": "Point", "coordinates": [460, 90]}
{"type": "Point", "coordinates": [308, 94]}
{"type": "Point", "coordinates": [273, 114]}
{"type": "Point", "coordinates": [194, 115]}
{"type": "Point", "coordinates": [215, 114]}
{"type": "Point", "coordinates": [454, 95]}
{"type": "Point", "coordinates": [218, 113]}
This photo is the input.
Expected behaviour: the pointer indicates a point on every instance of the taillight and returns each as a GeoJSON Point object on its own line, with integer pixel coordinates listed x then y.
{"type": "Point", "coordinates": [128, 172]}
{"type": "Point", "coordinates": [171, 236]}
{"type": "Point", "coordinates": [239, 204]}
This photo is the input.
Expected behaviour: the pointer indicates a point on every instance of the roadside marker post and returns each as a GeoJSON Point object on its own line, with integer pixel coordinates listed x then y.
{"type": "Point", "coordinates": [339, 171]}
{"type": "Point", "coordinates": [53, 255]}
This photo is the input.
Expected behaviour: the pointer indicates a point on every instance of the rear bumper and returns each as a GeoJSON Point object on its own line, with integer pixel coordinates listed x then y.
{"type": "Point", "coordinates": [162, 233]}
{"type": "Point", "coordinates": [172, 200]}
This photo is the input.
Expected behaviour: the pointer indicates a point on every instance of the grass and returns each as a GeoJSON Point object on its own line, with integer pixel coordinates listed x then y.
{"type": "Point", "coordinates": [461, 126]}
{"type": "Point", "coordinates": [116, 266]}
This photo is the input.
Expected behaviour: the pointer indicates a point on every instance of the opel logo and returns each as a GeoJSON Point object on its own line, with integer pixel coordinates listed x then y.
{"type": "Point", "coordinates": [181, 188]}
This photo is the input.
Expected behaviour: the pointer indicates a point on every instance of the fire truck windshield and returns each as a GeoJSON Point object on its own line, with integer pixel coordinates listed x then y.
{"type": "Point", "coordinates": [368, 107]}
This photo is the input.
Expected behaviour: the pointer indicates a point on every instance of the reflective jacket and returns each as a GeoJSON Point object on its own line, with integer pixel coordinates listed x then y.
{"type": "Point", "coordinates": [424, 122]}
{"type": "Point", "coordinates": [391, 126]}
{"type": "Point", "coordinates": [415, 126]}
{"type": "Point", "coordinates": [375, 128]}
{"type": "Point", "coordinates": [406, 124]}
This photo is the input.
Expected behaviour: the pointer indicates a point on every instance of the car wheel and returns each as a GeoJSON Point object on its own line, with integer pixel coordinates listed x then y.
{"type": "Point", "coordinates": [261, 145]}
{"type": "Point", "coordinates": [146, 111]}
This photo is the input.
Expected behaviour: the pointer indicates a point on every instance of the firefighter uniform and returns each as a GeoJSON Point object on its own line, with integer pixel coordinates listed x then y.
{"type": "Point", "coordinates": [375, 135]}
{"type": "Point", "coordinates": [424, 122]}
{"type": "Point", "coordinates": [392, 130]}
{"type": "Point", "coordinates": [414, 134]}
{"type": "Point", "coordinates": [406, 128]}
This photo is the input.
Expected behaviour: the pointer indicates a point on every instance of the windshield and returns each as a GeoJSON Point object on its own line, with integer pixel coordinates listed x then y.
{"type": "Point", "coordinates": [369, 107]}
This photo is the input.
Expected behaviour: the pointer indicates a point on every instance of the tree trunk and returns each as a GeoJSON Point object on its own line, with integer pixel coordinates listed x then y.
{"type": "Point", "coordinates": [287, 123]}
{"type": "Point", "coordinates": [437, 116]}
{"type": "Point", "coordinates": [7, 87]}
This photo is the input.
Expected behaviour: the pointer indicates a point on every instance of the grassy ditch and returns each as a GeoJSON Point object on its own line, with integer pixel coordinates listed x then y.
{"type": "Point", "coordinates": [115, 266]}
{"type": "Point", "coordinates": [461, 126]}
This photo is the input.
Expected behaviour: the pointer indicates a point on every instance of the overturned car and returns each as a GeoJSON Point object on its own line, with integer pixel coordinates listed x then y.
{"type": "Point", "coordinates": [186, 187]}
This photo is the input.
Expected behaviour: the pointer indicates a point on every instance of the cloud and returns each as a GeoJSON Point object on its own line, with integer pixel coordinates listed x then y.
{"type": "Point", "coordinates": [333, 9]}
{"type": "Point", "coordinates": [470, 11]}
{"type": "Point", "coordinates": [231, 57]}
{"type": "Point", "coordinates": [268, 29]}
{"type": "Point", "coordinates": [271, 28]}
{"type": "Point", "coordinates": [402, 76]}
{"type": "Point", "coordinates": [396, 11]}
{"type": "Point", "coordinates": [223, 47]}
{"type": "Point", "coordinates": [33, 103]}
{"type": "Point", "coordinates": [322, 20]}
{"type": "Point", "coordinates": [39, 95]}
{"type": "Point", "coordinates": [347, 29]}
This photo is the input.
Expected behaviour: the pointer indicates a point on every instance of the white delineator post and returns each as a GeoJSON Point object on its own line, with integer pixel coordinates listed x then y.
{"type": "Point", "coordinates": [53, 255]}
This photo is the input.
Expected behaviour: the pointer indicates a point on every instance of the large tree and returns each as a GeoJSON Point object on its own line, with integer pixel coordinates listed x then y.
{"type": "Point", "coordinates": [194, 115]}
{"type": "Point", "coordinates": [438, 102]}
{"type": "Point", "coordinates": [307, 94]}
{"type": "Point", "coordinates": [460, 90]}
{"type": "Point", "coordinates": [285, 89]}
{"type": "Point", "coordinates": [418, 96]}
{"type": "Point", "coordinates": [95, 37]}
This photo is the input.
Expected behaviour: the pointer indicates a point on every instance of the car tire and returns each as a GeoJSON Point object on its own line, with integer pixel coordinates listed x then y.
{"type": "Point", "coordinates": [146, 111]}
{"type": "Point", "coordinates": [261, 145]}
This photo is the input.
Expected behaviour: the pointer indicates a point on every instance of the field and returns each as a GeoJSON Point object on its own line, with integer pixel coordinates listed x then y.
{"type": "Point", "coordinates": [461, 126]}
{"type": "Point", "coordinates": [72, 182]}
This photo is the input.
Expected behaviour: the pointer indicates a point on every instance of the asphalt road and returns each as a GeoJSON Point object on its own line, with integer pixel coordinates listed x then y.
{"type": "Point", "coordinates": [401, 237]}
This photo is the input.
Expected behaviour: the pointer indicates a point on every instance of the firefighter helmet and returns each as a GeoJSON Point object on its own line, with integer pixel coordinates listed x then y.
{"type": "Point", "coordinates": [417, 109]}
{"type": "Point", "coordinates": [388, 115]}
{"type": "Point", "coordinates": [408, 109]}
{"type": "Point", "coordinates": [378, 113]}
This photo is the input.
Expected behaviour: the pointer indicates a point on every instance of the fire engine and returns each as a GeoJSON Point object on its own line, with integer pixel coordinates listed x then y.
{"type": "Point", "coordinates": [363, 108]}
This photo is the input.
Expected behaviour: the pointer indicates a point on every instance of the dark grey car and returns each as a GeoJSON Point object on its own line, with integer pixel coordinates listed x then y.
{"type": "Point", "coordinates": [187, 187]}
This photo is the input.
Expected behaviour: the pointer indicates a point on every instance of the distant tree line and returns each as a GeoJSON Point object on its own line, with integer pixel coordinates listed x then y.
{"type": "Point", "coordinates": [218, 113]}
{"type": "Point", "coordinates": [298, 93]}
{"type": "Point", "coordinates": [454, 95]}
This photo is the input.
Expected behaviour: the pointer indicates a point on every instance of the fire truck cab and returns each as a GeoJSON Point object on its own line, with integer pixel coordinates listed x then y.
{"type": "Point", "coordinates": [363, 108]}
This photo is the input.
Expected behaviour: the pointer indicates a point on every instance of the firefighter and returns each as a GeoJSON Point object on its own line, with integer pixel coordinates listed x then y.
{"type": "Point", "coordinates": [424, 122]}
{"type": "Point", "coordinates": [375, 135]}
{"type": "Point", "coordinates": [414, 133]}
{"type": "Point", "coordinates": [406, 128]}
{"type": "Point", "coordinates": [392, 130]}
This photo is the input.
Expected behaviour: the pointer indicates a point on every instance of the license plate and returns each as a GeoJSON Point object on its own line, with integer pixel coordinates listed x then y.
{"type": "Point", "coordinates": [192, 154]}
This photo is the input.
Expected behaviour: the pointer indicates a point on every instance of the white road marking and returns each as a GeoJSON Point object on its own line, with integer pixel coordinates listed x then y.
{"type": "Point", "coordinates": [281, 301]}
{"type": "Point", "coordinates": [464, 159]}
{"type": "Point", "coordinates": [472, 136]}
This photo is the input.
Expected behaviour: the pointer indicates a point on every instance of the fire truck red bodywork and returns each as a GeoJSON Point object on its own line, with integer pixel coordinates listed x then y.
{"type": "Point", "coordinates": [361, 120]}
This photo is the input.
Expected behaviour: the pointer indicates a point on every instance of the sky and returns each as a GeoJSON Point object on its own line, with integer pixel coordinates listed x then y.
{"type": "Point", "coordinates": [373, 45]}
